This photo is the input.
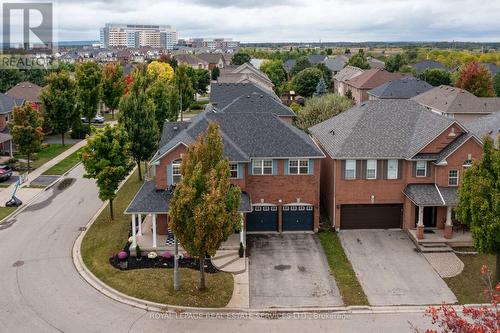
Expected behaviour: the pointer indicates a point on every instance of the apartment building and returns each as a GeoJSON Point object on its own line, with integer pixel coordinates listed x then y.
{"type": "Point", "coordinates": [138, 35]}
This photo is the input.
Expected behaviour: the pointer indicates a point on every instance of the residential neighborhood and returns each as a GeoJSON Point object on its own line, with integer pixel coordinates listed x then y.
{"type": "Point", "coordinates": [158, 176]}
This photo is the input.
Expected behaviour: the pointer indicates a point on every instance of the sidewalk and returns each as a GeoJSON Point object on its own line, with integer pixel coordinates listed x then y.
{"type": "Point", "coordinates": [27, 194]}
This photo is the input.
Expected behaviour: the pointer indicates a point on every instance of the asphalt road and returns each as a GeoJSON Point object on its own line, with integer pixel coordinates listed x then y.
{"type": "Point", "coordinates": [40, 291]}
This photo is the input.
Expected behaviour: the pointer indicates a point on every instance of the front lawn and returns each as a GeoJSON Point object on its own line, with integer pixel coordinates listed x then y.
{"type": "Point", "coordinates": [5, 211]}
{"type": "Point", "coordinates": [43, 156]}
{"type": "Point", "coordinates": [105, 238]}
{"type": "Point", "coordinates": [469, 286]}
{"type": "Point", "coordinates": [341, 269]}
{"type": "Point", "coordinates": [66, 164]}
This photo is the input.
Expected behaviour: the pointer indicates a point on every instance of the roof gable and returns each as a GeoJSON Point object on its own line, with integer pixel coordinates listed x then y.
{"type": "Point", "coordinates": [222, 94]}
{"type": "Point", "coordinates": [373, 78]}
{"type": "Point", "coordinates": [25, 90]}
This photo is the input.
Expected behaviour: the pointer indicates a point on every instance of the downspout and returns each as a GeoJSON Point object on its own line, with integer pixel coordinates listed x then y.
{"type": "Point", "coordinates": [334, 195]}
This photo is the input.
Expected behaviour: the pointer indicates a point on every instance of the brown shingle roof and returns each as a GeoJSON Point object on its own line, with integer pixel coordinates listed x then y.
{"type": "Point", "coordinates": [25, 90]}
{"type": "Point", "coordinates": [373, 78]}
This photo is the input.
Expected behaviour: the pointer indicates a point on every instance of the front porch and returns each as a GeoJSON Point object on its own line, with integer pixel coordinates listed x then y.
{"type": "Point", "coordinates": [437, 236]}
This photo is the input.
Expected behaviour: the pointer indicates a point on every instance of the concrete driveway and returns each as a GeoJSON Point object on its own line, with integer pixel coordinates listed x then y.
{"type": "Point", "coordinates": [289, 270]}
{"type": "Point", "coordinates": [390, 271]}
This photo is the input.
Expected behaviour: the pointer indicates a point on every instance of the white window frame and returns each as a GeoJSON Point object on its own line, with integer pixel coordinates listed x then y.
{"type": "Point", "coordinates": [176, 171]}
{"type": "Point", "coordinates": [371, 169]}
{"type": "Point", "coordinates": [467, 164]}
{"type": "Point", "coordinates": [455, 178]}
{"type": "Point", "coordinates": [351, 168]}
{"type": "Point", "coordinates": [259, 167]}
{"type": "Point", "coordinates": [390, 173]}
{"type": "Point", "coordinates": [300, 167]}
{"type": "Point", "coordinates": [417, 168]}
{"type": "Point", "coordinates": [231, 170]}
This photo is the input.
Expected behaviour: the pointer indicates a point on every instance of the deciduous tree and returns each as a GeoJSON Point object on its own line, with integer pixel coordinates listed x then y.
{"type": "Point", "coordinates": [305, 82]}
{"type": "Point", "coordinates": [204, 207]}
{"type": "Point", "coordinates": [106, 159]}
{"type": "Point", "coordinates": [113, 86]}
{"type": "Point", "coordinates": [475, 78]}
{"type": "Point", "coordinates": [240, 58]}
{"type": "Point", "coordinates": [321, 108]}
{"type": "Point", "coordinates": [436, 77]}
{"type": "Point", "coordinates": [394, 63]}
{"type": "Point", "coordinates": [166, 99]}
{"type": "Point", "coordinates": [359, 60]}
{"type": "Point", "coordinates": [184, 85]}
{"type": "Point", "coordinates": [26, 129]}
{"type": "Point", "coordinates": [89, 89]}
{"type": "Point", "coordinates": [215, 73]}
{"type": "Point", "coordinates": [160, 71]}
{"type": "Point", "coordinates": [496, 84]}
{"type": "Point", "coordinates": [300, 64]}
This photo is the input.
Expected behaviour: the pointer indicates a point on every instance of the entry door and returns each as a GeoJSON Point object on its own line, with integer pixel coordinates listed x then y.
{"type": "Point", "coordinates": [430, 217]}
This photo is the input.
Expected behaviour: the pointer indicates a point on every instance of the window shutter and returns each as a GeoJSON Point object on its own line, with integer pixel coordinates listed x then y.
{"type": "Point", "coordinates": [285, 167]}
{"type": "Point", "coordinates": [414, 169]}
{"type": "Point", "coordinates": [311, 167]}
{"type": "Point", "coordinates": [400, 169]}
{"type": "Point", "coordinates": [275, 167]}
{"type": "Point", "coordinates": [169, 175]}
{"type": "Point", "coordinates": [363, 169]}
{"type": "Point", "coordinates": [250, 168]}
{"type": "Point", "coordinates": [429, 169]}
{"type": "Point", "coordinates": [241, 171]}
{"type": "Point", "coordinates": [342, 169]}
{"type": "Point", "coordinates": [359, 169]}
{"type": "Point", "coordinates": [380, 169]}
{"type": "Point", "coordinates": [385, 164]}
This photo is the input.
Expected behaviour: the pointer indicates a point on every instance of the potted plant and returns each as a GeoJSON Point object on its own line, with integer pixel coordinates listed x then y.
{"type": "Point", "coordinates": [241, 251]}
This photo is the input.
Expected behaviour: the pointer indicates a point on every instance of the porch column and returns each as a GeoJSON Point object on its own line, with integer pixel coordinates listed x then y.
{"type": "Point", "coordinates": [448, 226]}
{"type": "Point", "coordinates": [134, 236]}
{"type": "Point", "coordinates": [154, 229]}
{"type": "Point", "coordinates": [420, 223]}
{"type": "Point", "coordinates": [140, 224]}
{"type": "Point", "coordinates": [10, 149]}
{"type": "Point", "coordinates": [242, 230]}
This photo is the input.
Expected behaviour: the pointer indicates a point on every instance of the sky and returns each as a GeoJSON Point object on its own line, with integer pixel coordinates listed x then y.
{"type": "Point", "coordinates": [290, 20]}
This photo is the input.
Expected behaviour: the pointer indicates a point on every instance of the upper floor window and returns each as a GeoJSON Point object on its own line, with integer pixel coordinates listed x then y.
{"type": "Point", "coordinates": [453, 178]}
{"type": "Point", "coordinates": [262, 167]}
{"type": "Point", "coordinates": [176, 171]}
{"type": "Point", "coordinates": [421, 169]}
{"type": "Point", "coordinates": [371, 169]}
{"type": "Point", "coordinates": [350, 169]}
{"type": "Point", "coordinates": [233, 169]}
{"type": "Point", "coordinates": [392, 169]}
{"type": "Point", "coordinates": [298, 167]}
{"type": "Point", "coordinates": [467, 164]}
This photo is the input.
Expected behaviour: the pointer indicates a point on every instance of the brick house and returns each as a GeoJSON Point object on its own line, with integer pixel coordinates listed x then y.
{"type": "Point", "coordinates": [393, 164]}
{"type": "Point", "coordinates": [369, 79]}
{"type": "Point", "coordinates": [276, 166]}
{"type": "Point", "coordinates": [340, 79]}
{"type": "Point", "coordinates": [7, 104]}
{"type": "Point", "coordinates": [27, 91]}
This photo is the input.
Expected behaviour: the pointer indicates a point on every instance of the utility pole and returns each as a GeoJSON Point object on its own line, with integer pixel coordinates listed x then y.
{"type": "Point", "coordinates": [176, 264]}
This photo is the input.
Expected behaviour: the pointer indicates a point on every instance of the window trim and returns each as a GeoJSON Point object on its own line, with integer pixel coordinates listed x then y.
{"type": "Point", "coordinates": [371, 169]}
{"type": "Point", "coordinates": [176, 164]}
{"type": "Point", "coordinates": [262, 167]}
{"type": "Point", "coordinates": [299, 166]}
{"type": "Point", "coordinates": [425, 169]}
{"type": "Point", "coordinates": [457, 177]}
{"type": "Point", "coordinates": [353, 169]}
{"type": "Point", "coordinates": [396, 169]}
{"type": "Point", "coordinates": [231, 170]}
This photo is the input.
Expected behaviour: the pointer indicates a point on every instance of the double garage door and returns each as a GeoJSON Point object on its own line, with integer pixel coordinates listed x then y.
{"type": "Point", "coordinates": [371, 216]}
{"type": "Point", "coordinates": [294, 218]}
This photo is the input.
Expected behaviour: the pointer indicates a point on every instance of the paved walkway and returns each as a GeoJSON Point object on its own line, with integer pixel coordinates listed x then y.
{"type": "Point", "coordinates": [26, 194]}
{"type": "Point", "coordinates": [446, 264]}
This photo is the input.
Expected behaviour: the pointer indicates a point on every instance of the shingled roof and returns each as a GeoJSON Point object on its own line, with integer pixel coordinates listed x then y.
{"type": "Point", "coordinates": [27, 91]}
{"type": "Point", "coordinates": [373, 78]}
{"type": "Point", "coordinates": [8, 103]}
{"type": "Point", "coordinates": [423, 65]}
{"type": "Point", "coordinates": [486, 126]}
{"type": "Point", "coordinates": [222, 94]}
{"type": "Point", "coordinates": [380, 129]}
{"type": "Point", "coordinates": [404, 88]}
{"type": "Point", "coordinates": [258, 102]}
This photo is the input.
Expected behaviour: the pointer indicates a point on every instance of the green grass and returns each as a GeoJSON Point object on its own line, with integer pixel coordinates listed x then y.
{"type": "Point", "coordinates": [469, 285]}
{"type": "Point", "coordinates": [341, 269]}
{"type": "Point", "coordinates": [5, 211]}
{"type": "Point", "coordinates": [45, 155]}
{"type": "Point", "coordinates": [66, 164]}
{"type": "Point", "coordinates": [105, 238]}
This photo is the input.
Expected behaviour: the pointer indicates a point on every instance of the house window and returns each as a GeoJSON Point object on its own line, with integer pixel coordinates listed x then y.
{"type": "Point", "coordinates": [421, 169]}
{"type": "Point", "coordinates": [233, 169]}
{"type": "Point", "coordinates": [262, 167]}
{"type": "Point", "coordinates": [371, 169]}
{"type": "Point", "coordinates": [453, 178]}
{"type": "Point", "coordinates": [298, 167]}
{"type": "Point", "coordinates": [467, 164]}
{"type": "Point", "coordinates": [350, 169]}
{"type": "Point", "coordinates": [176, 171]}
{"type": "Point", "coordinates": [392, 169]}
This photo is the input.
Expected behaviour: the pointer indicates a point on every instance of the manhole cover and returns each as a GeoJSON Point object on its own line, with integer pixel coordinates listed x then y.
{"type": "Point", "coordinates": [82, 228]}
{"type": "Point", "coordinates": [18, 263]}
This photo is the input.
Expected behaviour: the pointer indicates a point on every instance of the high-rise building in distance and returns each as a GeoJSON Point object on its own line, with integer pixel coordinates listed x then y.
{"type": "Point", "coordinates": [137, 35]}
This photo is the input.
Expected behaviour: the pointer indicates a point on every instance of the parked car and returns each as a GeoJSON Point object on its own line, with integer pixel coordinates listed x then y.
{"type": "Point", "coordinates": [5, 172]}
{"type": "Point", "coordinates": [97, 119]}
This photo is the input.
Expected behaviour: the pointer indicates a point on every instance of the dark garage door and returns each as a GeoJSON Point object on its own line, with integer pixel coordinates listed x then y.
{"type": "Point", "coordinates": [263, 218]}
{"type": "Point", "coordinates": [370, 216]}
{"type": "Point", "coordinates": [298, 218]}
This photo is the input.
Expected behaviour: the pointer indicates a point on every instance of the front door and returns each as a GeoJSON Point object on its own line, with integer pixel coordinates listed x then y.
{"type": "Point", "coordinates": [430, 217]}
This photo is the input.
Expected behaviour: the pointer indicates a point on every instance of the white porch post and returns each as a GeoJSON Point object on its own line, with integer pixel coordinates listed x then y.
{"type": "Point", "coordinates": [154, 230]}
{"type": "Point", "coordinates": [448, 225]}
{"type": "Point", "coordinates": [134, 236]}
{"type": "Point", "coordinates": [420, 216]}
{"type": "Point", "coordinates": [140, 225]}
{"type": "Point", "coordinates": [449, 222]}
{"type": "Point", "coordinates": [242, 230]}
{"type": "Point", "coordinates": [10, 148]}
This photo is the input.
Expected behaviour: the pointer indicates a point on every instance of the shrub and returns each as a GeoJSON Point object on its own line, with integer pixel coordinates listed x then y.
{"type": "Point", "coordinates": [80, 131]}
{"type": "Point", "coordinates": [167, 255]}
{"type": "Point", "coordinates": [122, 255]}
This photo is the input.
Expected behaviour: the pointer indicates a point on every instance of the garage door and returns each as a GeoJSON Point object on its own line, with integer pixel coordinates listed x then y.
{"type": "Point", "coordinates": [263, 218]}
{"type": "Point", "coordinates": [298, 218]}
{"type": "Point", "coordinates": [371, 216]}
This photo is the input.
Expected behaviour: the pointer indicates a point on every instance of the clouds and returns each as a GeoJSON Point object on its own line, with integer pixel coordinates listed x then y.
{"type": "Point", "coordinates": [291, 20]}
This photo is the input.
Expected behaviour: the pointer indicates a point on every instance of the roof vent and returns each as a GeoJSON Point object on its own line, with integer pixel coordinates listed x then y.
{"type": "Point", "coordinates": [332, 132]}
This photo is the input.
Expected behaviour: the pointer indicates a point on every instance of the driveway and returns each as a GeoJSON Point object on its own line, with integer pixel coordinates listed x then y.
{"type": "Point", "coordinates": [289, 270]}
{"type": "Point", "coordinates": [390, 271]}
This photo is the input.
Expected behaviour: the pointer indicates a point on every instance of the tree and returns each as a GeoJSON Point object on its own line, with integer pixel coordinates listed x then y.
{"type": "Point", "coordinates": [301, 64]}
{"type": "Point", "coordinates": [359, 60]}
{"type": "Point", "coordinates": [475, 78]}
{"type": "Point", "coordinates": [113, 86]}
{"type": "Point", "coordinates": [204, 207]}
{"type": "Point", "coordinates": [435, 77]}
{"type": "Point", "coordinates": [240, 58]}
{"type": "Point", "coordinates": [329, 51]}
{"type": "Point", "coordinates": [305, 82]}
{"type": "Point", "coordinates": [478, 202]}
{"type": "Point", "coordinates": [137, 114]}
{"type": "Point", "coordinates": [496, 84]}
{"type": "Point", "coordinates": [327, 73]}
{"type": "Point", "coordinates": [160, 71]}
{"type": "Point", "coordinates": [201, 80]}
{"type": "Point", "coordinates": [59, 101]}
{"type": "Point", "coordinates": [89, 89]}
{"type": "Point", "coordinates": [184, 85]}
{"type": "Point", "coordinates": [36, 76]}
{"type": "Point", "coordinates": [9, 78]}
{"type": "Point", "coordinates": [166, 99]}
{"type": "Point", "coordinates": [26, 129]}
{"type": "Point", "coordinates": [275, 71]}
{"type": "Point", "coordinates": [321, 88]}
{"type": "Point", "coordinates": [407, 69]}
{"type": "Point", "coordinates": [394, 63]}
{"type": "Point", "coordinates": [320, 108]}
{"type": "Point", "coordinates": [106, 159]}
{"type": "Point", "coordinates": [215, 73]}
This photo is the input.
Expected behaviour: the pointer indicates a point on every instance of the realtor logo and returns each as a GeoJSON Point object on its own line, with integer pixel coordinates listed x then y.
{"type": "Point", "coordinates": [27, 25]}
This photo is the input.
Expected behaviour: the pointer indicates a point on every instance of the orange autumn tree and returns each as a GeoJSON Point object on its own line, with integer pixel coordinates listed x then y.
{"type": "Point", "coordinates": [476, 79]}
